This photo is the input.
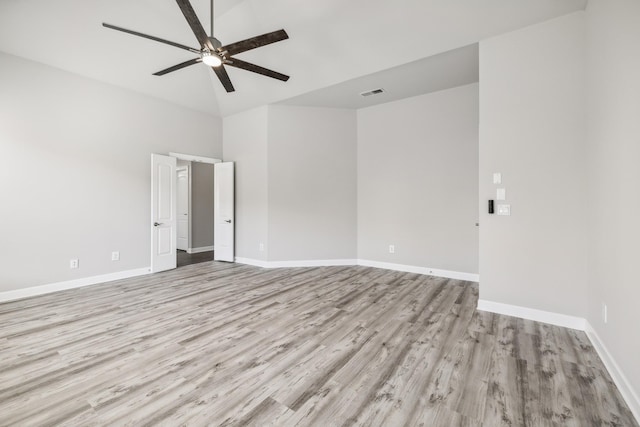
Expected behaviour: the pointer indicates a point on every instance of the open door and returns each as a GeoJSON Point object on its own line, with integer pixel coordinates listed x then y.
{"type": "Point", "coordinates": [163, 213]}
{"type": "Point", "coordinates": [223, 212]}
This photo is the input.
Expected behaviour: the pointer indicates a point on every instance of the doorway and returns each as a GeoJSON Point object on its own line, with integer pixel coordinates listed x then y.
{"type": "Point", "coordinates": [193, 218]}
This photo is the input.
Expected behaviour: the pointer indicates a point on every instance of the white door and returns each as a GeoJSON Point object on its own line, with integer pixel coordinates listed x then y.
{"type": "Point", "coordinates": [223, 211]}
{"type": "Point", "coordinates": [163, 212]}
{"type": "Point", "coordinates": [183, 209]}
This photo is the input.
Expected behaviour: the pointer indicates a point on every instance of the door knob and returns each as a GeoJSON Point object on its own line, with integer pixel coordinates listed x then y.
{"type": "Point", "coordinates": [228, 221]}
{"type": "Point", "coordinates": [155, 224]}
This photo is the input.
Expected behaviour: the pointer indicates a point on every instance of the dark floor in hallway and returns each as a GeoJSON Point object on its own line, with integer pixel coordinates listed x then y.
{"type": "Point", "coordinates": [185, 258]}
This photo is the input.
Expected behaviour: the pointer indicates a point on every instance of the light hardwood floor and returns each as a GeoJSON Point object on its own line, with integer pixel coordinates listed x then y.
{"type": "Point", "coordinates": [227, 344]}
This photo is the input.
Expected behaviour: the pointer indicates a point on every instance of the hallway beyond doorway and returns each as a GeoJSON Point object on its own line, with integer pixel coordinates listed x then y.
{"type": "Point", "coordinates": [185, 258]}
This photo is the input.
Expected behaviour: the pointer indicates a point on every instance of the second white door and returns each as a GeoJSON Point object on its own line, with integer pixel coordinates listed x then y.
{"type": "Point", "coordinates": [223, 211]}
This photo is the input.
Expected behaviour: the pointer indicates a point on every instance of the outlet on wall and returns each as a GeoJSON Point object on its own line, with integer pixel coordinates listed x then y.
{"type": "Point", "coordinates": [604, 313]}
{"type": "Point", "coordinates": [115, 256]}
{"type": "Point", "coordinates": [74, 263]}
{"type": "Point", "coordinates": [392, 249]}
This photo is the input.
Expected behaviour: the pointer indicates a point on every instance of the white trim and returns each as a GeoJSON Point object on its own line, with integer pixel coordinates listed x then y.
{"type": "Point", "coordinates": [71, 284]}
{"type": "Point", "coordinates": [389, 266]}
{"type": "Point", "coordinates": [343, 262]}
{"type": "Point", "coordinates": [254, 262]}
{"type": "Point", "coordinates": [629, 394]}
{"type": "Point", "coordinates": [557, 319]}
{"type": "Point", "coordinates": [312, 263]}
{"type": "Point", "coordinates": [192, 158]}
{"type": "Point", "coordinates": [199, 250]}
{"type": "Point", "coordinates": [291, 264]}
{"type": "Point", "coordinates": [421, 270]}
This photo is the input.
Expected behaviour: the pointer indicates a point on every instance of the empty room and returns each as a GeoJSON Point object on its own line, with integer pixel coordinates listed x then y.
{"type": "Point", "coordinates": [279, 213]}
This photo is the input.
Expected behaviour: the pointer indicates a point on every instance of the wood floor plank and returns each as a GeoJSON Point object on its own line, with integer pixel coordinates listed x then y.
{"type": "Point", "coordinates": [505, 405]}
{"type": "Point", "coordinates": [233, 345]}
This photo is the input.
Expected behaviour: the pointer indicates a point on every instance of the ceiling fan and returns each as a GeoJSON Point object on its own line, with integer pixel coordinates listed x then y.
{"type": "Point", "coordinates": [211, 51]}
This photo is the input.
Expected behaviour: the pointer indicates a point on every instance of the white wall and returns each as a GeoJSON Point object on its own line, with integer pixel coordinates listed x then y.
{"type": "Point", "coordinates": [295, 182]}
{"type": "Point", "coordinates": [312, 183]}
{"type": "Point", "coordinates": [245, 143]}
{"type": "Point", "coordinates": [532, 131]}
{"type": "Point", "coordinates": [75, 180]}
{"type": "Point", "coordinates": [418, 181]}
{"type": "Point", "coordinates": [613, 64]}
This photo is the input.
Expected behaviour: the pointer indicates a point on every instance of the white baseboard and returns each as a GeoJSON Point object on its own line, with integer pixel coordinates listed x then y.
{"type": "Point", "coordinates": [71, 284]}
{"type": "Point", "coordinates": [630, 395]}
{"type": "Point", "coordinates": [200, 250]}
{"type": "Point", "coordinates": [557, 319]}
{"type": "Point", "coordinates": [253, 262]}
{"type": "Point", "coordinates": [470, 277]}
{"type": "Point", "coordinates": [290, 264]}
{"type": "Point", "coordinates": [312, 263]}
{"type": "Point", "coordinates": [366, 263]}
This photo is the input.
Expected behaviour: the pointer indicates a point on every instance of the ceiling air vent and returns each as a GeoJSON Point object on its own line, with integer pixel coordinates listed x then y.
{"type": "Point", "coordinates": [372, 92]}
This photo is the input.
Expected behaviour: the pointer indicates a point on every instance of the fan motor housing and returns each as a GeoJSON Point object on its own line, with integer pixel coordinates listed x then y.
{"type": "Point", "coordinates": [215, 43]}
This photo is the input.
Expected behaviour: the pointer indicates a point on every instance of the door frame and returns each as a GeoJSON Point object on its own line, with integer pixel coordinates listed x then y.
{"type": "Point", "coordinates": [192, 158]}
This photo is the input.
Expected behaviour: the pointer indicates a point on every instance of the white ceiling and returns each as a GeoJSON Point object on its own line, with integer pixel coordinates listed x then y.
{"type": "Point", "coordinates": [331, 41]}
{"type": "Point", "coordinates": [438, 72]}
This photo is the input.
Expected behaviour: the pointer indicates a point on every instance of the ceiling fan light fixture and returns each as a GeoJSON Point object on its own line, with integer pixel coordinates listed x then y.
{"type": "Point", "coordinates": [212, 60]}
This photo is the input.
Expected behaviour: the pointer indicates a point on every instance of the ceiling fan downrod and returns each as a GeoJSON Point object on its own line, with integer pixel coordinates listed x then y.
{"type": "Point", "coordinates": [214, 41]}
{"type": "Point", "coordinates": [211, 18]}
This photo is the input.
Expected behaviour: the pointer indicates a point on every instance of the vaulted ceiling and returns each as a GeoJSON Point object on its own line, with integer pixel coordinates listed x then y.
{"type": "Point", "coordinates": [331, 41]}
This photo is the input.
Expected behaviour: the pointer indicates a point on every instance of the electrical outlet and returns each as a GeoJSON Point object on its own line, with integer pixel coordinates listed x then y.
{"type": "Point", "coordinates": [392, 249]}
{"type": "Point", "coordinates": [115, 256]}
{"type": "Point", "coordinates": [74, 263]}
{"type": "Point", "coordinates": [604, 313]}
{"type": "Point", "coordinates": [261, 247]}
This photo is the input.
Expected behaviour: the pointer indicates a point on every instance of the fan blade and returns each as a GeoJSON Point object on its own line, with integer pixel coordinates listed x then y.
{"type": "Point", "coordinates": [224, 78]}
{"type": "Point", "coordinates": [194, 23]}
{"type": "Point", "coordinates": [177, 67]}
{"type": "Point", "coordinates": [146, 36]}
{"type": "Point", "coordinates": [233, 62]}
{"type": "Point", "coordinates": [254, 42]}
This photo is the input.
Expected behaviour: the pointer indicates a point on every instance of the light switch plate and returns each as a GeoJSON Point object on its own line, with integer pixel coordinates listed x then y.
{"type": "Point", "coordinates": [504, 210]}
{"type": "Point", "coordinates": [501, 194]}
{"type": "Point", "coordinates": [497, 178]}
